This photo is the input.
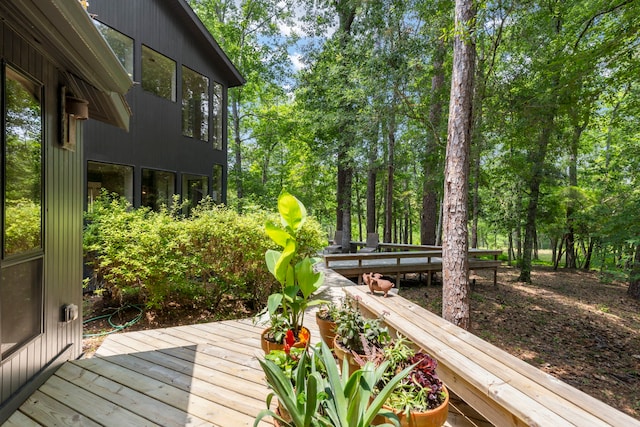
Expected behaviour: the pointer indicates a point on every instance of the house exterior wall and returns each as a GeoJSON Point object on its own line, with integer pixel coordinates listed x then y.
{"type": "Point", "coordinates": [155, 140]}
{"type": "Point", "coordinates": [62, 235]}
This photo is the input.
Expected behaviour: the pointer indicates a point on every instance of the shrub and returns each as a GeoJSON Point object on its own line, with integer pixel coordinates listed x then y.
{"type": "Point", "coordinates": [161, 257]}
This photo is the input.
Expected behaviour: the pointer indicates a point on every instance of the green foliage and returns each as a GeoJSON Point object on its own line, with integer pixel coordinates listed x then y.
{"type": "Point", "coordinates": [160, 257]}
{"type": "Point", "coordinates": [23, 219]}
{"type": "Point", "coordinates": [295, 273]}
{"type": "Point", "coordinates": [352, 328]}
{"type": "Point", "coordinates": [316, 394]}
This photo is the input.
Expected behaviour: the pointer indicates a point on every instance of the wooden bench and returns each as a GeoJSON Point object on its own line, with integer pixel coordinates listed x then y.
{"type": "Point", "coordinates": [502, 388]}
{"type": "Point", "coordinates": [396, 263]}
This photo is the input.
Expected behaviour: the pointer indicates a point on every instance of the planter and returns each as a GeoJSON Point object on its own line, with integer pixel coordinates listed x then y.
{"type": "Point", "coordinates": [327, 330]}
{"type": "Point", "coordinates": [432, 418]}
{"type": "Point", "coordinates": [267, 345]}
{"type": "Point", "coordinates": [342, 353]}
{"type": "Point", "coordinates": [281, 411]}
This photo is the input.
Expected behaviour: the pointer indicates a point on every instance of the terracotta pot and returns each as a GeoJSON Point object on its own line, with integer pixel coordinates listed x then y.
{"type": "Point", "coordinates": [280, 410]}
{"type": "Point", "coordinates": [341, 353]}
{"type": "Point", "coordinates": [432, 418]}
{"type": "Point", "coordinates": [267, 345]}
{"type": "Point", "coordinates": [327, 330]}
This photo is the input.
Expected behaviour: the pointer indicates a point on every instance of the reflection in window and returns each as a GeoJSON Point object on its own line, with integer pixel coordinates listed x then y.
{"type": "Point", "coordinates": [194, 189]}
{"type": "Point", "coordinates": [23, 165]}
{"type": "Point", "coordinates": [158, 74]}
{"type": "Point", "coordinates": [158, 188]}
{"type": "Point", "coordinates": [195, 104]}
{"type": "Point", "coordinates": [113, 178]}
{"type": "Point", "coordinates": [20, 305]}
{"type": "Point", "coordinates": [121, 45]}
{"type": "Point", "coordinates": [217, 116]}
{"type": "Point", "coordinates": [217, 184]}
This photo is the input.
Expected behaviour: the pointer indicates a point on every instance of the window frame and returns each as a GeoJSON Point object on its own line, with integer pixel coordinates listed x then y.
{"type": "Point", "coordinates": [174, 84]}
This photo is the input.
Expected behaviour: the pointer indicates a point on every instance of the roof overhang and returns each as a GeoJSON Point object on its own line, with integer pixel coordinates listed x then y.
{"type": "Point", "coordinates": [65, 34]}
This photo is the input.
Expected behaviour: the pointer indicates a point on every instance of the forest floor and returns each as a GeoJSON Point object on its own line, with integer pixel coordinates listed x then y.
{"type": "Point", "coordinates": [567, 323]}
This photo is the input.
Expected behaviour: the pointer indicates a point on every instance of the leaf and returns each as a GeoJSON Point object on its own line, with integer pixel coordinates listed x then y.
{"type": "Point", "coordinates": [277, 234]}
{"type": "Point", "coordinates": [308, 280]}
{"type": "Point", "coordinates": [274, 302]}
{"type": "Point", "coordinates": [292, 211]}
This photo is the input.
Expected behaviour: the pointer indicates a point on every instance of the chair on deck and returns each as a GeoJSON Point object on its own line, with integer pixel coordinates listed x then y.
{"type": "Point", "coordinates": [371, 244]}
{"type": "Point", "coordinates": [336, 246]}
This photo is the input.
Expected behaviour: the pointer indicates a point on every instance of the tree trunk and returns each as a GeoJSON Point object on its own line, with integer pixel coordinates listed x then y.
{"type": "Point", "coordinates": [589, 254]}
{"type": "Point", "coordinates": [371, 188]}
{"type": "Point", "coordinates": [537, 159]}
{"type": "Point", "coordinates": [455, 262]}
{"type": "Point", "coordinates": [634, 277]}
{"type": "Point", "coordinates": [391, 140]}
{"type": "Point", "coordinates": [429, 215]}
{"type": "Point", "coordinates": [237, 150]}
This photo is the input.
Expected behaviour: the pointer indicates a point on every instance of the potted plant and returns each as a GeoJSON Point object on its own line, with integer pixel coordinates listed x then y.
{"type": "Point", "coordinates": [356, 334]}
{"type": "Point", "coordinates": [325, 318]}
{"type": "Point", "coordinates": [296, 274]}
{"type": "Point", "coordinates": [316, 394]}
{"type": "Point", "coordinates": [298, 386]}
{"type": "Point", "coordinates": [420, 399]}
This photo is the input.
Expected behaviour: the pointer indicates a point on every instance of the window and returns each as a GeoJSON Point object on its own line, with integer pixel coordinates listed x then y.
{"type": "Point", "coordinates": [23, 165]}
{"type": "Point", "coordinates": [217, 184]}
{"type": "Point", "coordinates": [113, 178]}
{"type": "Point", "coordinates": [158, 188]}
{"type": "Point", "coordinates": [194, 189]}
{"type": "Point", "coordinates": [217, 116]}
{"type": "Point", "coordinates": [121, 45]}
{"type": "Point", "coordinates": [195, 105]}
{"type": "Point", "coordinates": [158, 74]}
{"type": "Point", "coordinates": [21, 278]}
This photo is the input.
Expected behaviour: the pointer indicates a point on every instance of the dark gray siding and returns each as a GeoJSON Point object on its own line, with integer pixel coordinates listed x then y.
{"type": "Point", "coordinates": [155, 138]}
{"type": "Point", "coordinates": [62, 261]}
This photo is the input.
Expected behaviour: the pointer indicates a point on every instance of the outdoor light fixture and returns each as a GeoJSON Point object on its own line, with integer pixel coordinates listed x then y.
{"type": "Point", "coordinates": [71, 110]}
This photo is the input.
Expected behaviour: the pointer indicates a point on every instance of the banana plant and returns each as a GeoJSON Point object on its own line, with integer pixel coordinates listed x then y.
{"type": "Point", "coordinates": [298, 279]}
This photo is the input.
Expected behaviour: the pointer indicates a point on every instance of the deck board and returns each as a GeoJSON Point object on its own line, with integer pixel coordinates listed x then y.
{"type": "Point", "coordinates": [204, 374]}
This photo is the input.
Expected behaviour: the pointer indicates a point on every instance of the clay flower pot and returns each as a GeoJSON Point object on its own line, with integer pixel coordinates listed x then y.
{"type": "Point", "coordinates": [327, 330]}
{"type": "Point", "coordinates": [432, 418]}
{"type": "Point", "coordinates": [342, 353]}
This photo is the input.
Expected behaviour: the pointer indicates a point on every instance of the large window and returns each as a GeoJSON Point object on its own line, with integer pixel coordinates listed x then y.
{"type": "Point", "coordinates": [195, 104]}
{"type": "Point", "coordinates": [217, 116]}
{"type": "Point", "coordinates": [158, 74]}
{"type": "Point", "coordinates": [22, 250]}
{"type": "Point", "coordinates": [113, 178]}
{"type": "Point", "coordinates": [194, 189]}
{"type": "Point", "coordinates": [217, 184]}
{"type": "Point", "coordinates": [121, 45]}
{"type": "Point", "coordinates": [22, 165]}
{"type": "Point", "coordinates": [158, 188]}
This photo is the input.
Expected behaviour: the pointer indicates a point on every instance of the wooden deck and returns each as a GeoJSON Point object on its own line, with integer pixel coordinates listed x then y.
{"type": "Point", "coordinates": [197, 375]}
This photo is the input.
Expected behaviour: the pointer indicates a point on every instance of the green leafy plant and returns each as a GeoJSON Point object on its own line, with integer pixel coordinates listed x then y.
{"type": "Point", "coordinates": [296, 274]}
{"type": "Point", "coordinates": [316, 394]}
{"type": "Point", "coordinates": [354, 331]}
{"type": "Point", "coordinates": [299, 390]}
{"type": "Point", "coordinates": [421, 389]}
{"type": "Point", "coordinates": [352, 400]}
{"type": "Point", "coordinates": [212, 259]}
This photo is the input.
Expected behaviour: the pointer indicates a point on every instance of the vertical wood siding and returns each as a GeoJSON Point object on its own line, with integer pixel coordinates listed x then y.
{"type": "Point", "coordinates": [62, 263]}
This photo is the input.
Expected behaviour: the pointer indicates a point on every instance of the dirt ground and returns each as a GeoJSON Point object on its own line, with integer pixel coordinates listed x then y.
{"type": "Point", "coordinates": [569, 324]}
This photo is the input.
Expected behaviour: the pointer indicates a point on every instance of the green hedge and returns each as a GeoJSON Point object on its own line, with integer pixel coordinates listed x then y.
{"type": "Point", "coordinates": [160, 258]}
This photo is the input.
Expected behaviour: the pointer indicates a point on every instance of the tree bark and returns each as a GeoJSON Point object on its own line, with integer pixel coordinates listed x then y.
{"type": "Point", "coordinates": [634, 277]}
{"type": "Point", "coordinates": [391, 140]}
{"type": "Point", "coordinates": [429, 215]}
{"type": "Point", "coordinates": [455, 263]}
{"type": "Point", "coordinates": [371, 187]}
